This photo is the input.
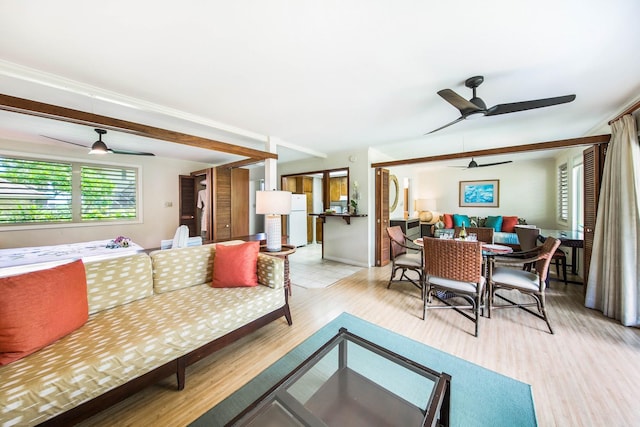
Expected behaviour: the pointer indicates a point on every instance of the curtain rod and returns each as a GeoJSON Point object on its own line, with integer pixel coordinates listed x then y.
{"type": "Point", "coordinates": [629, 110]}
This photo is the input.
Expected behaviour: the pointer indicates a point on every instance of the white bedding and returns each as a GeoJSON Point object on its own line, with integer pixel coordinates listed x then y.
{"type": "Point", "coordinates": [21, 260]}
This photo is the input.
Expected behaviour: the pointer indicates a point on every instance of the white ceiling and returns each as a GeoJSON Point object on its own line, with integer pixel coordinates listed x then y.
{"type": "Point", "coordinates": [319, 77]}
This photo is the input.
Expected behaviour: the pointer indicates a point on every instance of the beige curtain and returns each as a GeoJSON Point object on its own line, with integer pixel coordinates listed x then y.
{"type": "Point", "coordinates": [614, 276]}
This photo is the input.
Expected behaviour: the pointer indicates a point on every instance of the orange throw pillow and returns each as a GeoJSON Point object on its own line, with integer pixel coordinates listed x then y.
{"type": "Point", "coordinates": [236, 265]}
{"type": "Point", "coordinates": [448, 221]}
{"type": "Point", "coordinates": [41, 307]}
{"type": "Point", "coordinates": [509, 224]}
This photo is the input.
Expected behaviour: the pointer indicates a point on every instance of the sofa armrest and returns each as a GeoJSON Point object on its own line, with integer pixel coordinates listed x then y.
{"type": "Point", "coordinates": [270, 271]}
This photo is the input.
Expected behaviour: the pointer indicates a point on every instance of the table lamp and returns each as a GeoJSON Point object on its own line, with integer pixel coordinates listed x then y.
{"type": "Point", "coordinates": [273, 204]}
{"type": "Point", "coordinates": [426, 208]}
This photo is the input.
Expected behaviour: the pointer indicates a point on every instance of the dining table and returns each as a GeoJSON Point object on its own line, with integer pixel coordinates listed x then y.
{"type": "Point", "coordinates": [569, 238]}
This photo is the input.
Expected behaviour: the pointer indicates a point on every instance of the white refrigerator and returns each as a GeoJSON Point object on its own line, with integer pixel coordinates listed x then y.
{"type": "Point", "coordinates": [298, 220]}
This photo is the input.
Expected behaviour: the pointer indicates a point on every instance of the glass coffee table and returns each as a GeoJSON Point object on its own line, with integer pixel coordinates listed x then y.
{"type": "Point", "coordinates": [353, 382]}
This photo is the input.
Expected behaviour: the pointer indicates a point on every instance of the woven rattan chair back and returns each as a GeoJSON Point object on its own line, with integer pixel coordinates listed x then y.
{"type": "Point", "coordinates": [527, 237]}
{"type": "Point", "coordinates": [484, 234]}
{"type": "Point", "coordinates": [546, 253]}
{"type": "Point", "coordinates": [451, 259]}
{"type": "Point", "coordinates": [397, 240]}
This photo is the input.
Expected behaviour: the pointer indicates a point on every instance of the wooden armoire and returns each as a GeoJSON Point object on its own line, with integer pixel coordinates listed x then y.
{"type": "Point", "coordinates": [227, 195]}
{"type": "Point", "coordinates": [593, 164]}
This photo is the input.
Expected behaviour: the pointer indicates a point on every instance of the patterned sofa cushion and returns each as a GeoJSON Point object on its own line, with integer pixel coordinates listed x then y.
{"type": "Point", "coordinates": [118, 345]}
{"type": "Point", "coordinates": [270, 271]}
{"type": "Point", "coordinates": [185, 267]}
{"type": "Point", "coordinates": [118, 281]}
{"type": "Point", "coordinates": [182, 267]}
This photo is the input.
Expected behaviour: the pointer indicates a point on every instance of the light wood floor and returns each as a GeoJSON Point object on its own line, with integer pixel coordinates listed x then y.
{"type": "Point", "coordinates": [587, 374]}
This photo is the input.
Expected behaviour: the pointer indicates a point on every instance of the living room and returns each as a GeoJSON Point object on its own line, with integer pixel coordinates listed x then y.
{"type": "Point", "coordinates": [340, 86]}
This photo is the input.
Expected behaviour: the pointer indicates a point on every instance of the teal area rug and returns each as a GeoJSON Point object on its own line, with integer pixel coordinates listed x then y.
{"type": "Point", "coordinates": [479, 397]}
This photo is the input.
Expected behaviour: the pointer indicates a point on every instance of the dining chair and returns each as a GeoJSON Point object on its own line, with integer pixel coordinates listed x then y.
{"type": "Point", "coordinates": [528, 237]}
{"type": "Point", "coordinates": [403, 260]}
{"type": "Point", "coordinates": [531, 283]}
{"type": "Point", "coordinates": [484, 234]}
{"type": "Point", "coordinates": [453, 276]}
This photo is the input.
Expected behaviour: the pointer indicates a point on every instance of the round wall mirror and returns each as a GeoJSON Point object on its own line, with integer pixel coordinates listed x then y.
{"type": "Point", "coordinates": [394, 191]}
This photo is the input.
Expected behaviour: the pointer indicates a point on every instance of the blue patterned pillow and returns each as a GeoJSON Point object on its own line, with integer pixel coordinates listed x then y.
{"type": "Point", "coordinates": [459, 219]}
{"type": "Point", "coordinates": [494, 222]}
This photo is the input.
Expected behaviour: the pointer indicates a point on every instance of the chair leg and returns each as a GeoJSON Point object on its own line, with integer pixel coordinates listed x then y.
{"type": "Point", "coordinates": [564, 271]}
{"type": "Point", "coordinates": [393, 274]}
{"type": "Point", "coordinates": [544, 313]}
{"type": "Point", "coordinates": [477, 310]}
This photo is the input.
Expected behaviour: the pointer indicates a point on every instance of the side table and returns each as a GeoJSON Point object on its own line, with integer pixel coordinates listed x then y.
{"type": "Point", "coordinates": [284, 253]}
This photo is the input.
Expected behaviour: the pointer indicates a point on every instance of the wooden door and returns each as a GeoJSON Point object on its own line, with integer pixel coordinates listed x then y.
{"type": "Point", "coordinates": [222, 213]}
{"type": "Point", "coordinates": [382, 216]}
{"type": "Point", "coordinates": [187, 207]}
{"type": "Point", "coordinates": [593, 162]}
{"type": "Point", "coordinates": [203, 181]}
{"type": "Point", "coordinates": [239, 202]}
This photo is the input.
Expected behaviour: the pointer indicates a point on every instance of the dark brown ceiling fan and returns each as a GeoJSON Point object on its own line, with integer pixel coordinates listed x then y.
{"type": "Point", "coordinates": [99, 147]}
{"type": "Point", "coordinates": [475, 107]}
{"type": "Point", "coordinates": [473, 164]}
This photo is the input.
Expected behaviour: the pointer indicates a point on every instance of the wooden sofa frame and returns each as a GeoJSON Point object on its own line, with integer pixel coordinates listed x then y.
{"type": "Point", "coordinates": [177, 366]}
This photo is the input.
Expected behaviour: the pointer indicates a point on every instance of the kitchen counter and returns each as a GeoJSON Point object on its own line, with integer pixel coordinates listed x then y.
{"type": "Point", "coordinates": [345, 216]}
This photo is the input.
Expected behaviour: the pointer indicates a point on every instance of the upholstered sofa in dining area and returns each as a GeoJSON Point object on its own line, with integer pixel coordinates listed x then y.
{"type": "Point", "coordinates": [504, 226]}
{"type": "Point", "coordinates": [96, 333]}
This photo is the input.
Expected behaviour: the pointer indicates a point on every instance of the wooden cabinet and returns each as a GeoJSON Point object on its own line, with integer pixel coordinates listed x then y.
{"type": "Point", "coordinates": [227, 195]}
{"type": "Point", "coordinates": [338, 188]}
{"type": "Point", "coordinates": [593, 163]}
{"type": "Point", "coordinates": [239, 202]}
{"type": "Point", "coordinates": [222, 204]}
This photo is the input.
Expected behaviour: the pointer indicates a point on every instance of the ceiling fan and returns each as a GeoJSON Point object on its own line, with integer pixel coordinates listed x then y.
{"type": "Point", "coordinates": [99, 147]}
{"type": "Point", "coordinates": [473, 164]}
{"type": "Point", "coordinates": [475, 107]}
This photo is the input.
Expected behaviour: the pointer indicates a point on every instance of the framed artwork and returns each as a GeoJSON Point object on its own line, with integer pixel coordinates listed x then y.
{"type": "Point", "coordinates": [480, 194]}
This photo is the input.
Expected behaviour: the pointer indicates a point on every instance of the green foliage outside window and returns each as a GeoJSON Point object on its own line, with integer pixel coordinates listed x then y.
{"type": "Point", "coordinates": [34, 191]}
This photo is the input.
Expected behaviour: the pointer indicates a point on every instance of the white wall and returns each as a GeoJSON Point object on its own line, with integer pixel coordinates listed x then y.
{"type": "Point", "coordinates": [159, 179]}
{"type": "Point", "coordinates": [527, 189]}
{"type": "Point", "coordinates": [351, 244]}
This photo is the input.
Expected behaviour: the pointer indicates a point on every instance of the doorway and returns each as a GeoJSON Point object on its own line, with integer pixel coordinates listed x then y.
{"type": "Point", "coordinates": [324, 189]}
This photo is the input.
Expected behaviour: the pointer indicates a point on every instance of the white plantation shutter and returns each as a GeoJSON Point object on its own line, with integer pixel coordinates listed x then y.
{"type": "Point", "coordinates": [563, 193]}
{"type": "Point", "coordinates": [47, 192]}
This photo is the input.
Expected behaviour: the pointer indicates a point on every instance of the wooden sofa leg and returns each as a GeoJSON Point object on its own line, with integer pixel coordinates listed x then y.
{"type": "Point", "coordinates": [181, 368]}
{"type": "Point", "coordinates": [287, 315]}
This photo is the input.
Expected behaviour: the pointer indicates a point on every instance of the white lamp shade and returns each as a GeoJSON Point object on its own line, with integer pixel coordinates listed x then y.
{"type": "Point", "coordinates": [426, 205]}
{"type": "Point", "coordinates": [273, 202]}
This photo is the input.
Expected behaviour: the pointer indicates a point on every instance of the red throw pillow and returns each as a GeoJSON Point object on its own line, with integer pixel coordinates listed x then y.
{"type": "Point", "coordinates": [509, 224]}
{"type": "Point", "coordinates": [448, 221]}
{"type": "Point", "coordinates": [236, 265]}
{"type": "Point", "coordinates": [40, 307]}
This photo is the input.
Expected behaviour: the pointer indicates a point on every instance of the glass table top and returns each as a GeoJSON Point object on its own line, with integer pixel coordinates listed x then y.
{"type": "Point", "coordinates": [353, 382]}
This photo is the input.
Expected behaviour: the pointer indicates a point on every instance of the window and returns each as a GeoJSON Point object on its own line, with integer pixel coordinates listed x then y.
{"type": "Point", "coordinates": [108, 193]}
{"type": "Point", "coordinates": [563, 193]}
{"type": "Point", "coordinates": [55, 192]}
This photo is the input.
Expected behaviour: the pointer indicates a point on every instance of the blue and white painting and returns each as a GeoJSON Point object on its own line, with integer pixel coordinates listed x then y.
{"type": "Point", "coordinates": [479, 193]}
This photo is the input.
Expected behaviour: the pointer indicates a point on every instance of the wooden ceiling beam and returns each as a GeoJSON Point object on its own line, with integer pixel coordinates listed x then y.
{"type": "Point", "coordinates": [241, 163]}
{"type": "Point", "coordinates": [49, 111]}
{"type": "Point", "coordinates": [549, 145]}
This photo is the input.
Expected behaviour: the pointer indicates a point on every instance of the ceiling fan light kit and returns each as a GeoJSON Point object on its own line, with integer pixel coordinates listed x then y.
{"type": "Point", "coordinates": [476, 107]}
{"type": "Point", "coordinates": [99, 147]}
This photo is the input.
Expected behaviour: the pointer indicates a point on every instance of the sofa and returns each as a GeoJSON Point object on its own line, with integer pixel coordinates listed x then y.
{"type": "Point", "coordinates": [504, 232]}
{"type": "Point", "coordinates": [149, 317]}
